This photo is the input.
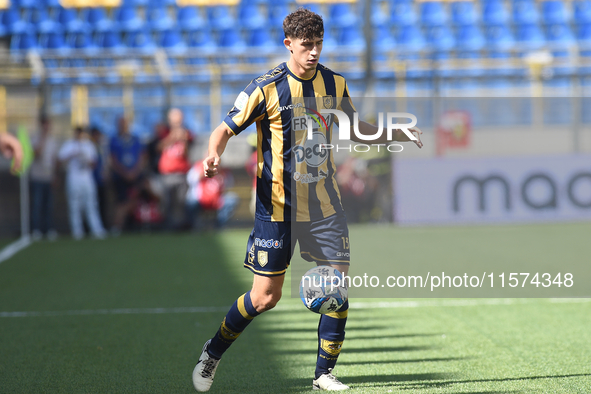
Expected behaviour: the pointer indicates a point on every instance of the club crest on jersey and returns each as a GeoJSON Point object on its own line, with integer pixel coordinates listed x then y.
{"type": "Point", "coordinates": [263, 258]}
{"type": "Point", "coordinates": [327, 102]}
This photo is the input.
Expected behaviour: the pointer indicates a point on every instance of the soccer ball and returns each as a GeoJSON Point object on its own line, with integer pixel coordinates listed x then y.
{"type": "Point", "coordinates": [323, 289]}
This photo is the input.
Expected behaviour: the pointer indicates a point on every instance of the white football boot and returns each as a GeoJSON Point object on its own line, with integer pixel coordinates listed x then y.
{"type": "Point", "coordinates": [328, 382]}
{"type": "Point", "coordinates": [204, 370]}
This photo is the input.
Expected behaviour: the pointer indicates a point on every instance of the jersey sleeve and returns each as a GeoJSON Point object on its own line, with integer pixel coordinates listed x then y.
{"type": "Point", "coordinates": [250, 106]}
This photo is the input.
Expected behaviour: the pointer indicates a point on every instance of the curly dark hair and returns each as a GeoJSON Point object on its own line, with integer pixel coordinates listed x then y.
{"type": "Point", "coordinates": [303, 24]}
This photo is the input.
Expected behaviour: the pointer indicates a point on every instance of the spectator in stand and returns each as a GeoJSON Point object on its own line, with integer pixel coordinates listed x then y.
{"type": "Point", "coordinates": [43, 181]}
{"type": "Point", "coordinates": [209, 194]}
{"type": "Point", "coordinates": [128, 161]}
{"type": "Point", "coordinates": [100, 172]}
{"type": "Point", "coordinates": [173, 166]}
{"type": "Point", "coordinates": [79, 155]}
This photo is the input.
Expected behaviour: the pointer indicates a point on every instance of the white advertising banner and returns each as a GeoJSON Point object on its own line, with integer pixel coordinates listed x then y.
{"type": "Point", "coordinates": [487, 190]}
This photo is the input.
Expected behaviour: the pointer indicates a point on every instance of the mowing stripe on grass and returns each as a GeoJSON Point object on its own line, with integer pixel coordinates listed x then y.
{"type": "Point", "coordinates": [13, 248]}
{"type": "Point", "coordinates": [288, 307]}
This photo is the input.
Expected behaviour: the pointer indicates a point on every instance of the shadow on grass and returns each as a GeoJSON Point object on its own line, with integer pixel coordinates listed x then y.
{"type": "Point", "coordinates": [378, 380]}
{"type": "Point", "coordinates": [368, 350]}
{"type": "Point", "coordinates": [414, 360]}
{"type": "Point", "coordinates": [414, 386]}
{"type": "Point", "coordinates": [314, 328]}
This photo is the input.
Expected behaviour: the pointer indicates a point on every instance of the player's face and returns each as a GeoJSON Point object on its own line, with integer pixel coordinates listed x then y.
{"type": "Point", "coordinates": [305, 53]}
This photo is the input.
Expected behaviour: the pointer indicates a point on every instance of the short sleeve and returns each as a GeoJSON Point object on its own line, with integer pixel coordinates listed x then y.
{"type": "Point", "coordinates": [249, 107]}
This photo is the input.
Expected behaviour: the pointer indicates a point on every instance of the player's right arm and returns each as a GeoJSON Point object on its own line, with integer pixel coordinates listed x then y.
{"type": "Point", "coordinates": [217, 144]}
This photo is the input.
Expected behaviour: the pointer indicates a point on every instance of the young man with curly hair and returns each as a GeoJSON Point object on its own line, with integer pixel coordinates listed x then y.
{"type": "Point", "coordinates": [297, 195]}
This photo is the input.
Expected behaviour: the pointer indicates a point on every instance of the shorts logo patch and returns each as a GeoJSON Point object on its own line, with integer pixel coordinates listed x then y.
{"type": "Point", "coordinates": [263, 258]}
{"type": "Point", "coordinates": [331, 347]}
{"type": "Point", "coordinates": [241, 101]}
{"type": "Point", "coordinates": [251, 254]}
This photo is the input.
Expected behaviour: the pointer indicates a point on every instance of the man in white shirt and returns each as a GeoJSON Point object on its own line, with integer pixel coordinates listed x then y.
{"type": "Point", "coordinates": [79, 155]}
{"type": "Point", "coordinates": [42, 176]}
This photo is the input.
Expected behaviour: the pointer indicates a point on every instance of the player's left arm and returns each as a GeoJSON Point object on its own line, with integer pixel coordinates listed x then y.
{"type": "Point", "coordinates": [398, 135]}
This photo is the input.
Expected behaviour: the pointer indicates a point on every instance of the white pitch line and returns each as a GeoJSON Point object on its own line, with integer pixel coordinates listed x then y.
{"type": "Point", "coordinates": [13, 248]}
{"type": "Point", "coordinates": [288, 307]}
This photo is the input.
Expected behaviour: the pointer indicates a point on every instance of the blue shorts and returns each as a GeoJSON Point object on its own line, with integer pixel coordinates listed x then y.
{"type": "Point", "coordinates": [271, 244]}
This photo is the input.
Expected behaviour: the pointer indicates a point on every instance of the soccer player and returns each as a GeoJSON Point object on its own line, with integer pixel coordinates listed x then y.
{"type": "Point", "coordinates": [297, 195]}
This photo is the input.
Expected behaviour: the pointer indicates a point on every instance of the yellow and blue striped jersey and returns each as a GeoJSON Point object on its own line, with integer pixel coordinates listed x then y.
{"type": "Point", "coordinates": [295, 178]}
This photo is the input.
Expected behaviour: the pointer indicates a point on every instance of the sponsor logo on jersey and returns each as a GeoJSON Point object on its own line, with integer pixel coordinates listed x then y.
{"type": "Point", "coordinates": [263, 257]}
{"type": "Point", "coordinates": [313, 152]}
{"type": "Point", "coordinates": [309, 178]}
{"type": "Point", "coordinates": [331, 347]}
{"type": "Point", "coordinates": [290, 106]}
{"type": "Point", "coordinates": [269, 243]}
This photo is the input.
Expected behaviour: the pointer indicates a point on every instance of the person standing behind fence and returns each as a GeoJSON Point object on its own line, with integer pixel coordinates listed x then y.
{"type": "Point", "coordinates": [79, 155]}
{"type": "Point", "coordinates": [128, 161]}
{"type": "Point", "coordinates": [173, 166]}
{"type": "Point", "coordinates": [42, 176]}
{"type": "Point", "coordinates": [100, 172]}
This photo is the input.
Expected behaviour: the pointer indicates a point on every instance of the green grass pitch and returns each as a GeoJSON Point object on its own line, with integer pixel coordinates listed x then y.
{"type": "Point", "coordinates": [129, 315]}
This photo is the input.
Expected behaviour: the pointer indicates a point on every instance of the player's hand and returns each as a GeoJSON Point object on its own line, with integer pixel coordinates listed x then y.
{"type": "Point", "coordinates": [11, 148]}
{"type": "Point", "coordinates": [417, 133]}
{"type": "Point", "coordinates": [210, 166]}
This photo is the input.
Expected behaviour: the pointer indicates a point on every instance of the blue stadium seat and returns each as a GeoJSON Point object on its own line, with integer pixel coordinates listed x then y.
{"type": "Point", "coordinates": [530, 37]}
{"type": "Point", "coordinates": [69, 20]}
{"type": "Point", "coordinates": [351, 37]}
{"type": "Point", "coordinates": [110, 40]}
{"type": "Point", "coordinates": [494, 13]}
{"type": "Point", "coordinates": [82, 41]}
{"type": "Point", "coordinates": [172, 40]}
{"type": "Point", "coordinates": [25, 3]}
{"type": "Point", "coordinates": [342, 15]}
{"type": "Point", "coordinates": [231, 40]}
{"type": "Point", "coordinates": [410, 38]}
{"type": "Point", "coordinates": [127, 19]}
{"type": "Point", "coordinates": [464, 13]}
{"type": "Point", "coordinates": [221, 17]}
{"type": "Point", "coordinates": [41, 20]}
{"type": "Point", "coordinates": [582, 11]}
{"type": "Point", "coordinates": [403, 14]}
{"type": "Point", "coordinates": [470, 38]}
{"type": "Point", "coordinates": [584, 38]}
{"type": "Point", "coordinates": [189, 18]}
{"type": "Point", "coordinates": [13, 23]}
{"type": "Point", "coordinates": [263, 41]}
{"type": "Point", "coordinates": [433, 13]}
{"type": "Point", "coordinates": [441, 39]}
{"type": "Point", "coordinates": [554, 11]}
{"type": "Point", "coordinates": [560, 39]}
{"type": "Point", "coordinates": [250, 16]}
{"type": "Point", "coordinates": [499, 38]}
{"type": "Point", "coordinates": [158, 18]}
{"type": "Point", "coordinates": [141, 41]}
{"type": "Point", "coordinates": [383, 38]}
{"type": "Point", "coordinates": [380, 14]}
{"type": "Point", "coordinates": [23, 42]}
{"type": "Point", "coordinates": [202, 40]}
{"type": "Point", "coordinates": [54, 41]}
{"type": "Point", "coordinates": [97, 18]}
{"type": "Point", "coordinates": [525, 12]}
{"type": "Point", "coordinates": [277, 12]}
